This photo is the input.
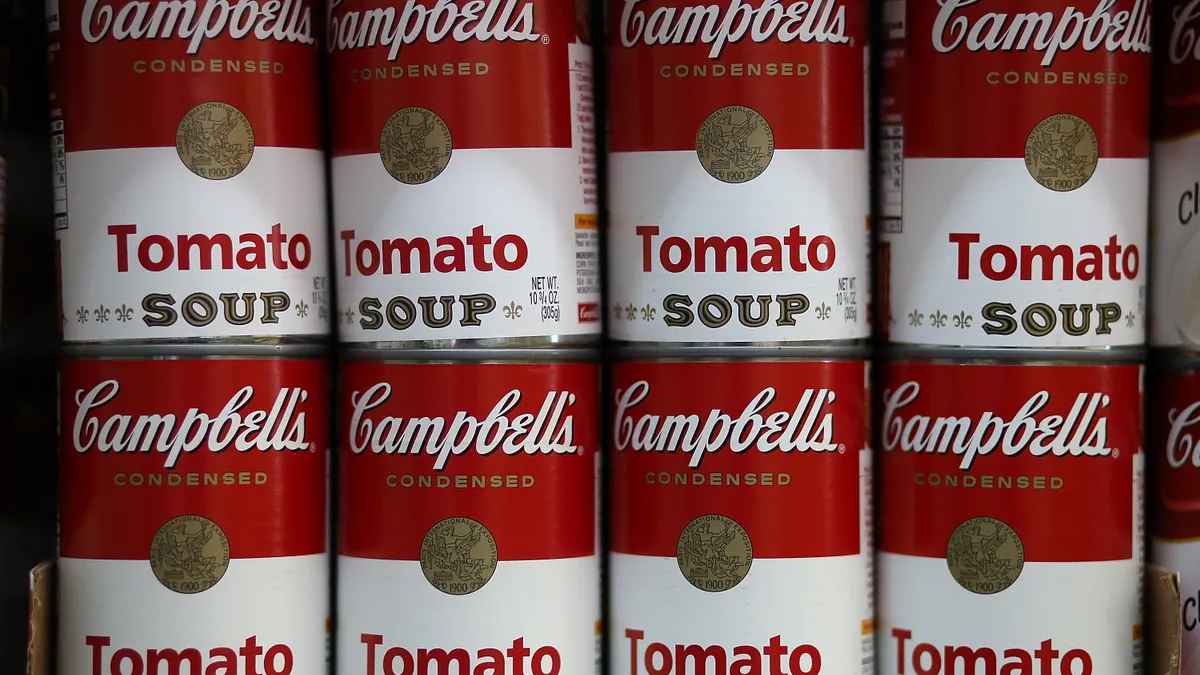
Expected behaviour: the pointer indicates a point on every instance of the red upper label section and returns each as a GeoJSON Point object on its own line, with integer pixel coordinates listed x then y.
{"type": "Point", "coordinates": [497, 72]}
{"type": "Point", "coordinates": [990, 71]}
{"type": "Point", "coordinates": [512, 446]}
{"type": "Point", "coordinates": [1175, 459]}
{"type": "Point", "coordinates": [126, 72]}
{"type": "Point", "coordinates": [1177, 68]}
{"type": "Point", "coordinates": [673, 62]}
{"type": "Point", "coordinates": [240, 442]}
{"type": "Point", "coordinates": [1049, 450]}
{"type": "Point", "coordinates": [772, 445]}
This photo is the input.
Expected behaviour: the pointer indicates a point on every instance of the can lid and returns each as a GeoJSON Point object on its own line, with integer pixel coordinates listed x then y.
{"type": "Point", "coordinates": [709, 352]}
{"type": "Point", "coordinates": [151, 350]}
{"type": "Point", "coordinates": [471, 355]}
{"type": "Point", "coordinates": [1102, 356]}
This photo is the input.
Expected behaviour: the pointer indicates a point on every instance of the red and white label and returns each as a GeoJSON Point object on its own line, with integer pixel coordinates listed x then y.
{"type": "Point", "coordinates": [1004, 486]}
{"type": "Point", "coordinates": [1025, 175]}
{"type": "Point", "coordinates": [187, 152]}
{"type": "Point", "coordinates": [436, 478]}
{"type": "Point", "coordinates": [217, 488]}
{"type": "Point", "coordinates": [1175, 207]}
{"type": "Point", "coordinates": [1175, 493]}
{"type": "Point", "coordinates": [738, 168]}
{"type": "Point", "coordinates": [777, 451]}
{"type": "Point", "coordinates": [494, 100]}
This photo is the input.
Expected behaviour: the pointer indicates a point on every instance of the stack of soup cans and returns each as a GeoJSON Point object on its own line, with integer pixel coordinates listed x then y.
{"type": "Point", "coordinates": [192, 257]}
{"type": "Point", "coordinates": [1011, 467]}
{"type": "Point", "coordinates": [738, 251]}
{"type": "Point", "coordinates": [467, 267]}
{"type": "Point", "coordinates": [1175, 325]}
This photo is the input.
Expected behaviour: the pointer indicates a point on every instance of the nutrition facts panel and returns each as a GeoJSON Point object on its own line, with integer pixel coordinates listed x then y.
{"type": "Point", "coordinates": [891, 169]}
{"type": "Point", "coordinates": [58, 148]}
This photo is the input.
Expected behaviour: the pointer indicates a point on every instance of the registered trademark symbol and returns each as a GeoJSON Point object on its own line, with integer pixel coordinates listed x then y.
{"type": "Point", "coordinates": [841, 448]}
{"type": "Point", "coordinates": [1116, 453]}
{"type": "Point", "coordinates": [579, 451]}
{"type": "Point", "coordinates": [545, 39]}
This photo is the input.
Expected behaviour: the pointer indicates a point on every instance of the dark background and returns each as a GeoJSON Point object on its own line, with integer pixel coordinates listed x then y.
{"type": "Point", "coordinates": [28, 329]}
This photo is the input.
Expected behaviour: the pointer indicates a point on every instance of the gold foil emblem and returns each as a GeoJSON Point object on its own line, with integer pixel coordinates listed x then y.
{"type": "Point", "coordinates": [415, 145]}
{"type": "Point", "coordinates": [189, 554]}
{"type": "Point", "coordinates": [985, 555]}
{"type": "Point", "coordinates": [735, 144]}
{"type": "Point", "coordinates": [1062, 152]}
{"type": "Point", "coordinates": [458, 556]}
{"type": "Point", "coordinates": [714, 553]}
{"type": "Point", "coordinates": [215, 141]}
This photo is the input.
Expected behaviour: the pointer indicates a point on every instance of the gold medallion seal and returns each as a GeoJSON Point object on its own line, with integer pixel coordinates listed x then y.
{"type": "Point", "coordinates": [714, 553]}
{"type": "Point", "coordinates": [415, 145]}
{"type": "Point", "coordinates": [1061, 152]}
{"type": "Point", "coordinates": [189, 554]}
{"type": "Point", "coordinates": [458, 556]}
{"type": "Point", "coordinates": [735, 144]}
{"type": "Point", "coordinates": [215, 141]}
{"type": "Point", "coordinates": [985, 555]}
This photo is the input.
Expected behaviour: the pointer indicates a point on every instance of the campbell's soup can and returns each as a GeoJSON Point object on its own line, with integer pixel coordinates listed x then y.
{"type": "Point", "coordinates": [192, 522]}
{"type": "Point", "coordinates": [1026, 175]}
{"type": "Point", "coordinates": [739, 183]}
{"type": "Point", "coordinates": [1011, 500]}
{"type": "Point", "coordinates": [189, 185]}
{"type": "Point", "coordinates": [464, 172]}
{"type": "Point", "coordinates": [1175, 202]}
{"type": "Point", "coordinates": [469, 493]}
{"type": "Point", "coordinates": [741, 481]}
{"type": "Point", "coordinates": [1174, 420]}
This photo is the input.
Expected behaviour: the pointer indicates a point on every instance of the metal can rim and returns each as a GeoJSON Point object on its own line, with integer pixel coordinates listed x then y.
{"type": "Point", "coordinates": [756, 353]}
{"type": "Point", "coordinates": [150, 352]}
{"type": "Point", "coordinates": [462, 355]}
{"type": "Point", "coordinates": [1109, 356]}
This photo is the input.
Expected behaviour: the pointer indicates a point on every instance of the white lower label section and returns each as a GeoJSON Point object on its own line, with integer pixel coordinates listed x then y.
{"type": "Point", "coordinates": [152, 251]}
{"type": "Point", "coordinates": [1184, 557]}
{"type": "Point", "coordinates": [497, 238]}
{"type": "Point", "coordinates": [1174, 223]}
{"type": "Point", "coordinates": [546, 605]}
{"type": "Point", "coordinates": [271, 610]}
{"type": "Point", "coordinates": [782, 257]}
{"type": "Point", "coordinates": [985, 256]}
{"type": "Point", "coordinates": [1080, 608]}
{"type": "Point", "coordinates": [799, 604]}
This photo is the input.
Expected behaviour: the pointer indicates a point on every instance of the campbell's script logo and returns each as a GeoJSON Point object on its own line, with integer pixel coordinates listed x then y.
{"type": "Point", "coordinates": [481, 20]}
{"type": "Point", "coordinates": [1122, 31]}
{"type": "Point", "coordinates": [1181, 445]}
{"type": "Point", "coordinates": [807, 428]}
{"type": "Point", "coordinates": [278, 428]}
{"type": "Point", "coordinates": [1184, 42]}
{"type": "Point", "coordinates": [198, 20]}
{"type": "Point", "coordinates": [551, 431]}
{"type": "Point", "coordinates": [1080, 433]}
{"type": "Point", "coordinates": [818, 21]}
